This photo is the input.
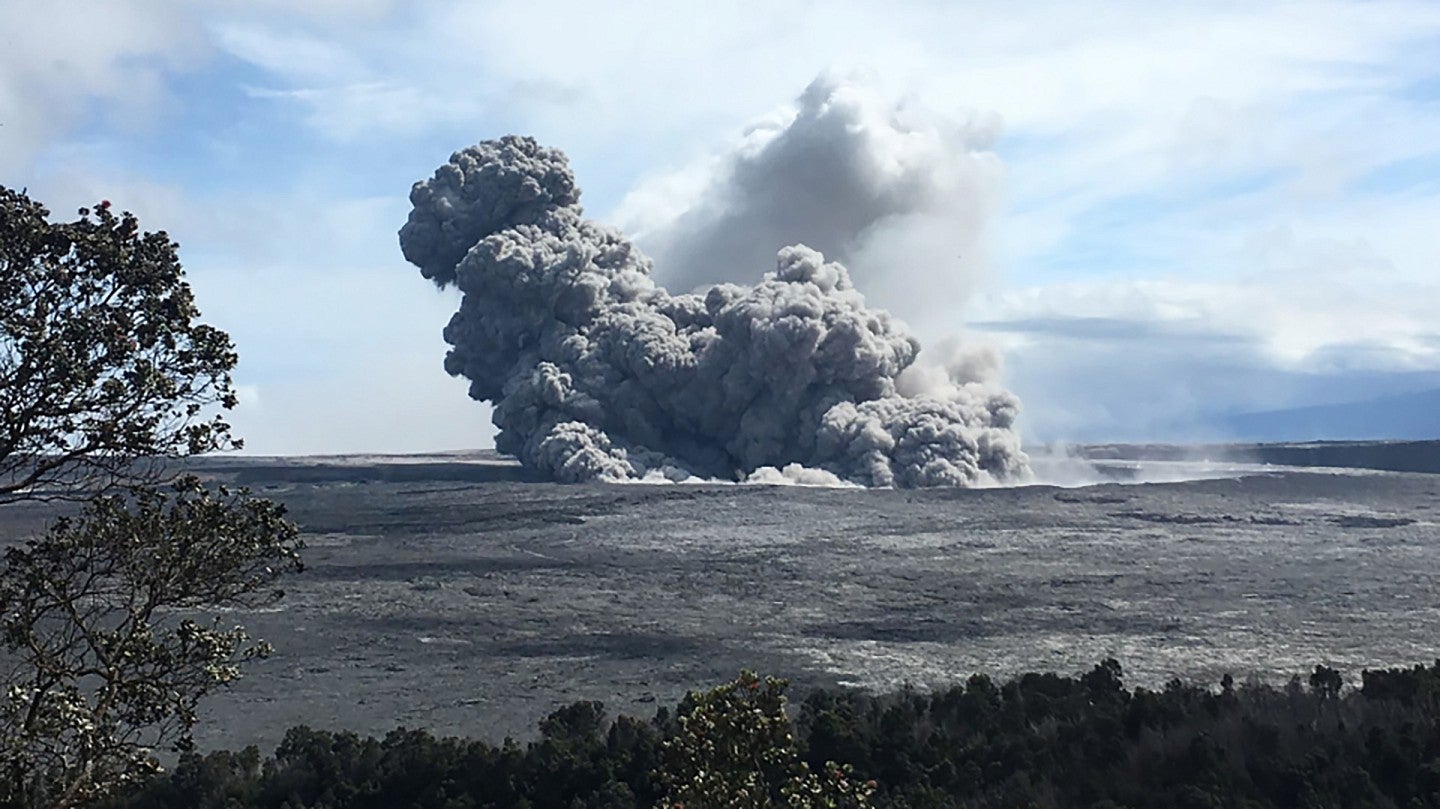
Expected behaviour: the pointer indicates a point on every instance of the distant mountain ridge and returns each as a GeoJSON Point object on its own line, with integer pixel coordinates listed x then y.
{"type": "Point", "coordinates": [1391, 456]}
{"type": "Point", "coordinates": [1409, 416]}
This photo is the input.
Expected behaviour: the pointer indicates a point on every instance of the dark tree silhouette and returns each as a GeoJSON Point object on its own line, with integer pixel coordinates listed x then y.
{"type": "Point", "coordinates": [1039, 739]}
{"type": "Point", "coordinates": [104, 370]}
{"type": "Point", "coordinates": [105, 377]}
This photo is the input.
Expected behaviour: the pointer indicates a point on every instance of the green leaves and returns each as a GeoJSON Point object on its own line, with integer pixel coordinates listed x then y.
{"type": "Point", "coordinates": [102, 364]}
{"type": "Point", "coordinates": [103, 373]}
{"type": "Point", "coordinates": [736, 750]}
{"type": "Point", "coordinates": [106, 643]}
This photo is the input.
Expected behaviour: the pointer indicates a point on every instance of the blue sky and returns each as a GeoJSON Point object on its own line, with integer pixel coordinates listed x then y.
{"type": "Point", "coordinates": [1194, 208]}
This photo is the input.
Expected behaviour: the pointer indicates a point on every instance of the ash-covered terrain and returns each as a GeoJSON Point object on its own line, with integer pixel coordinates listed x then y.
{"type": "Point", "coordinates": [451, 594]}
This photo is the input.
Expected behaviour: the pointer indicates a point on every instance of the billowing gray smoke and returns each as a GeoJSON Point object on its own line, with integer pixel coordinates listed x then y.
{"type": "Point", "coordinates": [596, 373]}
{"type": "Point", "coordinates": [898, 192]}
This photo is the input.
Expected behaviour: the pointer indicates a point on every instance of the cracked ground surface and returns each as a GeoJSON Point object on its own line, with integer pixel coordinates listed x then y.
{"type": "Point", "coordinates": [476, 604]}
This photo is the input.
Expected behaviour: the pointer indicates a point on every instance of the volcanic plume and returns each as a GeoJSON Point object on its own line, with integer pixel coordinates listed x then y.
{"type": "Point", "coordinates": [598, 373]}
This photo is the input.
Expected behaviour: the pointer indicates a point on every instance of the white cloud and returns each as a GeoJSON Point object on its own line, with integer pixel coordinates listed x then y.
{"type": "Point", "coordinates": [296, 55]}
{"type": "Point", "coordinates": [1163, 358]}
{"type": "Point", "coordinates": [1290, 323]}
{"type": "Point", "coordinates": [58, 58]}
{"type": "Point", "coordinates": [897, 193]}
{"type": "Point", "coordinates": [1192, 172]}
{"type": "Point", "coordinates": [349, 111]}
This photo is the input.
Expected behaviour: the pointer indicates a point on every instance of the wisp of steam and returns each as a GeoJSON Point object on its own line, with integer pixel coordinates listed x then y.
{"type": "Point", "coordinates": [598, 373]}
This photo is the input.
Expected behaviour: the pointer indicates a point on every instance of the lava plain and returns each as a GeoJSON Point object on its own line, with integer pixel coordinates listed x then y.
{"type": "Point", "coordinates": [459, 598]}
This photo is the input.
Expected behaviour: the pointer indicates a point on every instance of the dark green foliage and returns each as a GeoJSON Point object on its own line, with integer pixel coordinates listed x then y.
{"type": "Point", "coordinates": [582, 760]}
{"type": "Point", "coordinates": [105, 376]}
{"type": "Point", "coordinates": [735, 749]}
{"type": "Point", "coordinates": [105, 653]}
{"type": "Point", "coordinates": [103, 367]}
{"type": "Point", "coordinates": [1038, 740]}
{"type": "Point", "coordinates": [1326, 682]}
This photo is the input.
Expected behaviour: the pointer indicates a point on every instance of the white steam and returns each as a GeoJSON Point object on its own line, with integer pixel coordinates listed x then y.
{"type": "Point", "coordinates": [896, 192]}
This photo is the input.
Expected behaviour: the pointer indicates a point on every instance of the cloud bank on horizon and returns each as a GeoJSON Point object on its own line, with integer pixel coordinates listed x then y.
{"type": "Point", "coordinates": [597, 373]}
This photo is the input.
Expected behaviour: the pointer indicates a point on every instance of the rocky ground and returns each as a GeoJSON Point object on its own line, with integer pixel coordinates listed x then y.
{"type": "Point", "coordinates": [453, 595]}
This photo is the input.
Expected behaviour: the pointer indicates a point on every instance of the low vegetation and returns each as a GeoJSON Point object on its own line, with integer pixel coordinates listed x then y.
{"type": "Point", "coordinates": [1036, 740]}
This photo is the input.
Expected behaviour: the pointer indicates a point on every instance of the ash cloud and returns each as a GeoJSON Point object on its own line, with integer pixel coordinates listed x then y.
{"type": "Point", "coordinates": [598, 373]}
{"type": "Point", "coordinates": [897, 192]}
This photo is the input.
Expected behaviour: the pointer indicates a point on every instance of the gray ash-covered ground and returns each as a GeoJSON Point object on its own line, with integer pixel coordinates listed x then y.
{"type": "Point", "coordinates": [453, 596]}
